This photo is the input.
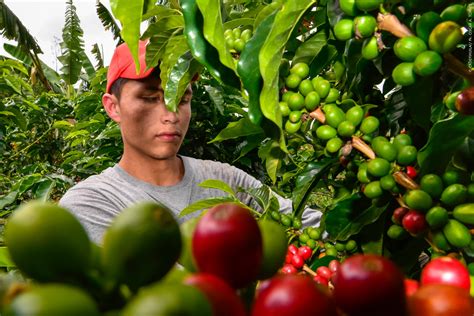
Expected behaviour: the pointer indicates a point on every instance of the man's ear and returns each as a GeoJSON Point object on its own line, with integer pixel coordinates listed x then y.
{"type": "Point", "coordinates": [111, 106]}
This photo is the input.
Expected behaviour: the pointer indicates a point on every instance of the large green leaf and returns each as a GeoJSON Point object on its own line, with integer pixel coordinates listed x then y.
{"type": "Point", "coordinates": [419, 97]}
{"type": "Point", "coordinates": [160, 12]}
{"type": "Point", "coordinates": [272, 154]}
{"type": "Point", "coordinates": [51, 75]}
{"type": "Point", "coordinates": [218, 185]}
{"type": "Point", "coordinates": [205, 204]}
{"type": "Point", "coordinates": [327, 54]}
{"type": "Point", "coordinates": [445, 137]}
{"type": "Point", "coordinates": [12, 28]}
{"type": "Point", "coordinates": [270, 58]}
{"type": "Point", "coordinates": [44, 189]}
{"type": "Point", "coordinates": [237, 23]}
{"type": "Point", "coordinates": [264, 197]}
{"type": "Point", "coordinates": [310, 48]}
{"type": "Point", "coordinates": [349, 216]}
{"type": "Point", "coordinates": [179, 78]}
{"type": "Point", "coordinates": [302, 193]}
{"type": "Point", "coordinates": [248, 68]}
{"type": "Point", "coordinates": [214, 30]}
{"type": "Point", "coordinates": [174, 66]}
{"type": "Point", "coordinates": [72, 46]}
{"type": "Point", "coordinates": [108, 21]}
{"type": "Point", "coordinates": [240, 128]}
{"type": "Point", "coordinates": [129, 13]}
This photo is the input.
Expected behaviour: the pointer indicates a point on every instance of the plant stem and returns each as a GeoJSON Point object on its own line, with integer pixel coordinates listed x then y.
{"type": "Point", "coordinates": [405, 181]}
{"type": "Point", "coordinates": [457, 67]}
{"type": "Point", "coordinates": [33, 143]}
{"type": "Point", "coordinates": [361, 146]}
{"type": "Point", "coordinates": [318, 115]}
{"type": "Point", "coordinates": [308, 270]}
{"type": "Point", "coordinates": [390, 23]}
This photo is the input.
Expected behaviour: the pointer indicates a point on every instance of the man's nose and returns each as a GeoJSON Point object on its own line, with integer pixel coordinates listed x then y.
{"type": "Point", "coordinates": [169, 116]}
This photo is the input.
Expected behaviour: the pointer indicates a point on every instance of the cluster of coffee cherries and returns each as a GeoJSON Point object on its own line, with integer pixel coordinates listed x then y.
{"type": "Point", "coordinates": [302, 95]}
{"type": "Point", "coordinates": [286, 220]}
{"type": "Point", "coordinates": [422, 54]}
{"type": "Point", "coordinates": [335, 127]}
{"type": "Point", "coordinates": [440, 208]}
{"type": "Point", "coordinates": [296, 259]}
{"type": "Point", "coordinates": [358, 23]}
{"type": "Point", "coordinates": [236, 38]}
{"type": "Point", "coordinates": [382, 172]}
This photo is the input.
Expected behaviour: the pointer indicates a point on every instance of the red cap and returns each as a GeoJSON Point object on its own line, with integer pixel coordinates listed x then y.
{"type": "Point", "coordinates": [122, 64]}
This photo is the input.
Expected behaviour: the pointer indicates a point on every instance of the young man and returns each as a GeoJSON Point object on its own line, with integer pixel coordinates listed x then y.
{"type": "Point", "coordinates": [150, 167]}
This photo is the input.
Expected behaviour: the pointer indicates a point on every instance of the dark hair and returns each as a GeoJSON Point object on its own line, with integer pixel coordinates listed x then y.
{"type": "Point", "coordinates": [116, 87]}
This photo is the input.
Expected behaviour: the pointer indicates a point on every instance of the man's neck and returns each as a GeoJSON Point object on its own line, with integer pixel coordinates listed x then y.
{"type": "Point", "coordinates": [161, 172]}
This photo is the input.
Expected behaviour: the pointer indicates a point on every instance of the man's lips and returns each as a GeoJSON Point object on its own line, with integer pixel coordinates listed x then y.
{"type": "Point", "coordinates": [169, 135]}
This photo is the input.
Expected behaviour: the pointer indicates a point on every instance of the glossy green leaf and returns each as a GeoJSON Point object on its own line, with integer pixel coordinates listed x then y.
{"type": "Point", "coordinates": [349, 216]}
{"type": "Point", "coordinates": [248, 69]}
{"type": "Point", "coordinates": [301, 194]}
{"type": "Point", "coordinates": [264, 197]}
{"type": "Point", "coordinates": [270, 58]}
{"type": "Point", "coordinates": [372, 236]}
{"type": "Point", "coordinates": [179, 78]}
{"type": "Point", "coordinates": [19, 118]}
{"type": "Point", "coordinates": [129, 13]}
{"type": "Point", "coordinates": [218, 185]}
{"type": "Point", "coordinates": [240, 128]}
{"type": "Point", "coordinates": [214, 30]}
{"type": "Point", "coordinates": [327, 54]}
{"type": "Point", "coordinates": [44, 189]}
{"type": "Point", "coordinates": [310, 48]}
{"type": "Point", "coordinates": [238, 23]}
{"type": "Point", "coordinates": [419, 98]}
{"type": "Point", "coordinates": [445, 137]}
{"type": "Point", "coordinates": [204, 204]}
{"type": "Point", "coordinates": [8, 199]}
{"type": "Point", "coordinates": [176, 48]}
{"type": "Point", "coordinates": [265, 12]}
{"type": "Point", "coordinates": [324, 261]}
{"type": "Point", "coordinates": [272, 154]}
{"type": "Point", "coordinates": [164, 25]}
{"type": "Point", "coordinates": [160, 12]}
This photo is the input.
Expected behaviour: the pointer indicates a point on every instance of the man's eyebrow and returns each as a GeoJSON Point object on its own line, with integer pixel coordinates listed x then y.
{"type": "Point", "coordinates": [152, 88]}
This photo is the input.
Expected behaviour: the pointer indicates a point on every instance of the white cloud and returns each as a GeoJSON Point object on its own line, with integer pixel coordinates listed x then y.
{"type": "Point", "coordinates": [45, 20]}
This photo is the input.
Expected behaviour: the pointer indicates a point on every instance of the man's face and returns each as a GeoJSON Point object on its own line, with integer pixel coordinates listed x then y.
{"type": "Point", "coordinates": [148, 128]}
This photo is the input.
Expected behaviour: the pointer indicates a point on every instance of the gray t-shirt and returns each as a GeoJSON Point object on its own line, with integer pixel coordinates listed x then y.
{"type": "Point", "coordinates": [96, 200]}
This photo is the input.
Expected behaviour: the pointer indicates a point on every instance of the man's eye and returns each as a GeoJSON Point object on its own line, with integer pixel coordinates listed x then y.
{"type": "Point", "coordinates": [151, 99]}
{"type": "Point", "coordinates": [185, 101]}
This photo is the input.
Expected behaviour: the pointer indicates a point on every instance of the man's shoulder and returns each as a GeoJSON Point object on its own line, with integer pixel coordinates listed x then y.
{"type": "Point", "coordinates": [106, 178]}
{"type": "Point", "coordinates": [208, 166]}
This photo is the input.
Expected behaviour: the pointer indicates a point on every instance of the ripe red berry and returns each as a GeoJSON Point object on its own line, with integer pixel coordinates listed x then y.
{"type": "Point", "coordinates": [320, 280]}
{"type": "Point", "coordinates": [411, 286]}
{"type": "Point", "coordinates": [293, 249]}
{"type": "Point", "coordinates": [288, 269]}
{"type": "Point", "coordinates": [414, 222]}
{"type": "Point", "coordinates": [297, 261]}
{"type": "Point", "coordinates": [305, 252]}
{"type": "Point", "coordinates": [411, 172]}
{"type": "Point", "coordinates": [398, 214]}
{"type": "Point", "coordinates": [334, 265]}
{"type": "Point", "coordinates": [288, 257]}
{"type": "Point", "coordinates": [324, 272]}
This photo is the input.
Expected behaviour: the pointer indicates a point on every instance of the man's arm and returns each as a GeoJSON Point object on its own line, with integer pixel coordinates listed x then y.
{"type": "Point", "coordinates": [92, 209]}
{"type": "Point", "coordinates": [310, 217]}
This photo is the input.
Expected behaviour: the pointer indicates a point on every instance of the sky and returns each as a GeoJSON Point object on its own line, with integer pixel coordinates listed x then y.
{"type": "Point", "coordinates": [45, 20]}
